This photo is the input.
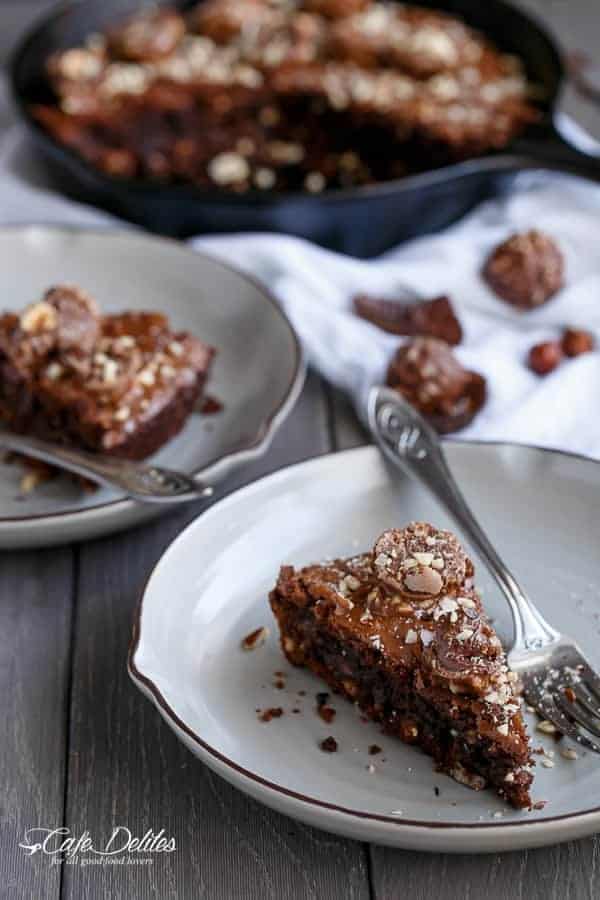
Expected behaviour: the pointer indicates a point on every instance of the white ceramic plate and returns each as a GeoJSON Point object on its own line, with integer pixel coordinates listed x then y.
{"type": "Point", "coordinates": [210, 589]}
{"type": "Point", "coordinates": [258, 372]}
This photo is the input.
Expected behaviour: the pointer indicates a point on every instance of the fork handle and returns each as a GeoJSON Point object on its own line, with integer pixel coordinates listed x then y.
{"type": "Point", "coordinates": [409, 443]}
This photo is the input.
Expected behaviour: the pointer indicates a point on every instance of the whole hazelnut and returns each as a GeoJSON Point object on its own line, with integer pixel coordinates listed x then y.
{"type": "Point", "coordinates": [576, 341]}
{"type": "Point", "coordinates": [545, 357]}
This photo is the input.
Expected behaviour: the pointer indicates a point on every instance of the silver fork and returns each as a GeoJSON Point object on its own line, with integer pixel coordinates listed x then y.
{"type": "Point", "coordinates": [147, 483]}
{"type": "Point", "coordinates": [558, 681]}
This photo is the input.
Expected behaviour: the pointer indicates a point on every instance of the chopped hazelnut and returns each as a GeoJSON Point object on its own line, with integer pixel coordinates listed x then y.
{"type": "Point", "coordinates": [39, 317]}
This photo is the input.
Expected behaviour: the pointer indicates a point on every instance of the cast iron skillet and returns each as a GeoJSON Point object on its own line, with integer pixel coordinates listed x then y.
{"type": "Point", "coordinates": [362, 221]}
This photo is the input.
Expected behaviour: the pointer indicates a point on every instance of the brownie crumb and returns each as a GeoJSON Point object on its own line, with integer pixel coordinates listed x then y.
{"type": "Point", "coordinates": [296, 710]}
{"type": "Point", "coordinates": [329, 745]}
{"type": "Point", "coordinates": [275, 712]}
{"type": "Point", "coordinates": [211, 406]}
{"type": "Point", "coordinates": [540, 804]}
{"type": "Point", "coordinates": [279, 683]}
{"type": "Point", "coordinates": [322, 698]}
{"type": "Point", "coordinates": [327, 713]}
{"type": "Point", "coordinates": [255, 639]}
{"type": "Point", "coordinates": [436, 791]}
{"type": "Point", "coordinates": [374, 749]}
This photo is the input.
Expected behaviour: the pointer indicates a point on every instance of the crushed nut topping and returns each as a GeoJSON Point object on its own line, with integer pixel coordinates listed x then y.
{"type": "Point", "coordinates": [39, 317]}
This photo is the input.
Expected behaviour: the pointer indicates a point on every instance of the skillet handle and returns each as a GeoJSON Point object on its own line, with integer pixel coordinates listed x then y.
{"type": "Point", "coordinates": [553, 151]}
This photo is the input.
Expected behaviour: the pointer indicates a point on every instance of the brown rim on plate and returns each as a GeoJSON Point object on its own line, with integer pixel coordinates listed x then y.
{"type": "Point", "coordinates": [149, 687]}
{"type": "Point", "coordinates": [268, 426]}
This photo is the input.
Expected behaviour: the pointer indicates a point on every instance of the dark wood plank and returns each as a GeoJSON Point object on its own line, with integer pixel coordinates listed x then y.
{"type": "Point", "coordinates": [551, 873]}
{"type": "Point", "coordinates": [346, 430]}
{"type": "Point", "coordinates": [126, 767]}
{"type": "Point", "coordinates": [36, 592]}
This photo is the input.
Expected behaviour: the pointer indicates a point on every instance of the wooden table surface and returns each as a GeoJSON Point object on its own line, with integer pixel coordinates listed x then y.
{"type": "Point", "coordinates": [83, 749]}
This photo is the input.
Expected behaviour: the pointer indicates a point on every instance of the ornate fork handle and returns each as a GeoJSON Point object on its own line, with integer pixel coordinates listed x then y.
{"type": "Point", "coordinates": [408, 442]}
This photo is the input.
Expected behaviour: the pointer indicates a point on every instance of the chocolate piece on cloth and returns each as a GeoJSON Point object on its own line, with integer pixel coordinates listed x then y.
{"type": "Point", "coordinates": [526, 270]}
{"type": "Point", "coordinates": [401, 631]}
{"type": "Point", "coordinates": [430, 378]}
{"type": "Point", "coordinates": [433, 318]}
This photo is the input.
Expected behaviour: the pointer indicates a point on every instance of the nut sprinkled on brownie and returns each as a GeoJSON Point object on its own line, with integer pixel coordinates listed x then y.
{"type": "Point", "coordinates": [420, 560]}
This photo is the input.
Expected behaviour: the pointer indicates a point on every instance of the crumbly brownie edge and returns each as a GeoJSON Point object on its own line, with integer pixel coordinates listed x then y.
{"type": "Point", "coordinates": [411, 718]}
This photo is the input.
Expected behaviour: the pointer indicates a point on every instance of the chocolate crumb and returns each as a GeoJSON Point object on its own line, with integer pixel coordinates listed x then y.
{"type": "Point", "coordinates": [275, 712]}
{"type": "Point", "coordinates": [255, 639]}
{"type": "Point", "coordinates": [322, 697]}
{"type": "Point", "coordinates": [436, 791]}
{"type": "Point", "coordinates": [374, 749]}
{"type": "Point", "coordinates": [211, 406]}
{"type": "Point", "coordinates": [570, 694]}
{"type": "Point", "coordinates": [296, 710]}
{"type": "Point", "coordinates": [540, 804]}
{"type": "Point", "coordinates": [329, 745]}
{"type": "Point", "coordinates": [279, 684]}
{"type": "Point", "coordinates": [327, 713]}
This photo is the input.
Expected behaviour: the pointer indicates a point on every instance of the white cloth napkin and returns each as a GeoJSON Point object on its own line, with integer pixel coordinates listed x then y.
{"type": "Point", "coordinates": [315, 287]}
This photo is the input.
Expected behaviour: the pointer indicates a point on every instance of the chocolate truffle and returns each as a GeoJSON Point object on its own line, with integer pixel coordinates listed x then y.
{"type": "Point", "coordinates": [430, 377]}
{"type": "Point", "coordinates": [526, 270]}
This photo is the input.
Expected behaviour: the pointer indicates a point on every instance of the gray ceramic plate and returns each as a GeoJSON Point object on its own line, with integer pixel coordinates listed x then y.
{"type": "Point", "coordinates": [257, 375]}
{"type": "Point", "coordinates": [210, 590]}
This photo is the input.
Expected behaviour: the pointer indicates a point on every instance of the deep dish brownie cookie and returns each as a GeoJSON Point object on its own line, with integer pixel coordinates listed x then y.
{"type": "Point", "coordinates": [401, 631]}
{"type": "Point", "coordinates": [120, 384]}
{"type": "Point", "coordinates": [270, 95]}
